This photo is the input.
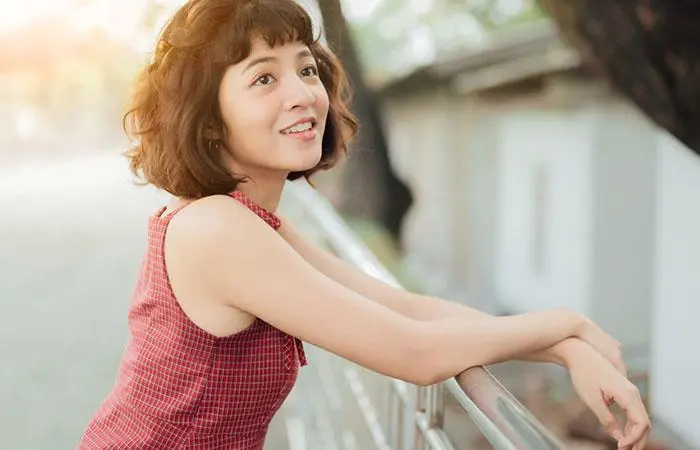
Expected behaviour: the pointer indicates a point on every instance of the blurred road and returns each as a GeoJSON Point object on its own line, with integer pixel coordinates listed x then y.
{"type": "Point", "coordinates": [71, 238]}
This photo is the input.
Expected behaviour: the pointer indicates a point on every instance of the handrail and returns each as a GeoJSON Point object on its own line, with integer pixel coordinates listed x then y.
{"type": "Point", "coordinates": [502, 419]}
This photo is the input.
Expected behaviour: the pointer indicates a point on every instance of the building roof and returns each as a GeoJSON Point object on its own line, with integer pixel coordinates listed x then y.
{"type": "Point", "coordinates": [528, 51]}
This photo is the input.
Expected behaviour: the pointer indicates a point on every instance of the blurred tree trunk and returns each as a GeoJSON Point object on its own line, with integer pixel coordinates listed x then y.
{"type": "Point", "coordinates": [648, 51]}
{"type": "Point", "coordinates": [370, 187]}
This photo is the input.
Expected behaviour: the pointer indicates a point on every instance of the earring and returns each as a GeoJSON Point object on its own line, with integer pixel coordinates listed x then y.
{"type": "Point", "coordinates": [213, 145]}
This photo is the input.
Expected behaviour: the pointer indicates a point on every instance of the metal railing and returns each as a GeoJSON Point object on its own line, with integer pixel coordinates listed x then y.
{"type": "Point", "coordinates": [501, 418]}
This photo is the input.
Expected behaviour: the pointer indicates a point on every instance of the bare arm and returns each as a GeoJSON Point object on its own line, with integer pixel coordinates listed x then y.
{"type": "Point", "coordinates": [415, 306]}
{"type": "Point", "coordinates": [248, 266]}
{"type": "Point", "coordinates": [595, 381]}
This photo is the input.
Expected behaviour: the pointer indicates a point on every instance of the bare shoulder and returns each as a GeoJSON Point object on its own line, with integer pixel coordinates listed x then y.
{"type": "Point", "coordinates": [210, 244]}
{"type": "Point", "coordinates": [219, 235]}
{"type": "Point", "coordinates": [211, 216]}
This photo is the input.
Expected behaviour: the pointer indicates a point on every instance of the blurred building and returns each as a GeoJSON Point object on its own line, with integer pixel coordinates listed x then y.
{"type": "Point", "coordinates": [537, 186]}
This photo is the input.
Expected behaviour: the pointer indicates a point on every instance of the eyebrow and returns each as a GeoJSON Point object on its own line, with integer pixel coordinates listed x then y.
{"type": "Point", "coordinates": [263, 59]}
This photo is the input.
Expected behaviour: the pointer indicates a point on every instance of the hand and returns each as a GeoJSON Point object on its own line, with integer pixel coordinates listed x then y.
{"type": "Point", "coordinates": [606, 345]}
{"type": "Point", "coordinates": [599, 385]}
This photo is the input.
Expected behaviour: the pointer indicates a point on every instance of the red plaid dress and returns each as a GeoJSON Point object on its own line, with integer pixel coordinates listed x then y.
{"type": "Point", "coordinates": [179, 387]}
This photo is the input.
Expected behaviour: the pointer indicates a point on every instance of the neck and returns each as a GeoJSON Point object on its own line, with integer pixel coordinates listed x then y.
{"type": "Point", "coordinates": [266, 193]}
{"type": "Point", "coordinates": [263, 185]}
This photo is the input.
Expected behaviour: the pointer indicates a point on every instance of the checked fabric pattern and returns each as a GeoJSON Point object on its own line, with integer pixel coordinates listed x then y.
{"type": "Point", "coordinates": [179, 387]}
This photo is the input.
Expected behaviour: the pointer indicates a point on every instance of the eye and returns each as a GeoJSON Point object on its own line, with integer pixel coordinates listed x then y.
{"type": "Point", "coordinates": [310, 71]}
{"type": "Point", "coordinates": [264, 80]}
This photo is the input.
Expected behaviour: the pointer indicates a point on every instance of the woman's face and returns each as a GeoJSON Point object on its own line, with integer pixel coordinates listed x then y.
{"type": "Point", "coordinates": [275, 108]}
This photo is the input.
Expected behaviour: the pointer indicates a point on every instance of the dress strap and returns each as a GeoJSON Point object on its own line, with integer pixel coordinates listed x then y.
{"type": "Point", "coordinates": [160, 213]}
{"type": "Point", "coordinates": [270, 218]}
{"type": "Point", "coordinates": [303, 361]}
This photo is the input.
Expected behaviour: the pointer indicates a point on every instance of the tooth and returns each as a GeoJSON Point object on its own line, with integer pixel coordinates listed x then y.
{"type": "Point", "coordinates": [299, 128]}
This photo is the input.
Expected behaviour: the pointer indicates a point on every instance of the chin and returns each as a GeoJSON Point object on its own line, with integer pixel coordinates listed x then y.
{"type": "Point", "coordinates": [305, 160]}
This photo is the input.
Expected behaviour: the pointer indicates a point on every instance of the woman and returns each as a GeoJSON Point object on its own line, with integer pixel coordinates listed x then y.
{"type": "Point", "coordinates": [238, 99]}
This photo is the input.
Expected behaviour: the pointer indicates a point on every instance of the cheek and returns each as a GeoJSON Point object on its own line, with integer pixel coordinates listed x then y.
{"type": "Point", "coordinates": [240, 110]}
{"type": "Point", "coordinates": [227, 94]}
{"type": "Point", "coordinates": [322, 101]}
{"type": "Point", "coordinates": [254, 118]}
{"type": "Point", "coordinates": [246, 130]}
{"type": "Point", "coordinates": [243, 117]}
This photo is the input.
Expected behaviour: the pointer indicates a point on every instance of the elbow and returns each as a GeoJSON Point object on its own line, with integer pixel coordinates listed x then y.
{"type": "Point", "coordinates": [421, 375]}
{"type": "Point", "coordinates": [430, 362]}
{"type": "Point", "coordinates": [427, 369]}
{"type": "Point", "coordinates": [425, 363]}
{"type": "Point", "coordinates": [413, 363]}
{"type": "Point", "coordinates": [433, 372]}
{"type": "Point", "coordinates": [429, 378]}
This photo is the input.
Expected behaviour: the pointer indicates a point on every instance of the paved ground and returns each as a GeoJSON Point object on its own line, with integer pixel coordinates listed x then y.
{"type": "Point", "coordinates": [71, 236]}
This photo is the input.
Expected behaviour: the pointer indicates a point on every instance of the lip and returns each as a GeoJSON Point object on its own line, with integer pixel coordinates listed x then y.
{"type": "Point", "coordinates": [302, 120]}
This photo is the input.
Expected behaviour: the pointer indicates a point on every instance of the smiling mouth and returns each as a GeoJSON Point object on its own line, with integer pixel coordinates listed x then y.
{"type": "Point", "coordinates": [300, 127]}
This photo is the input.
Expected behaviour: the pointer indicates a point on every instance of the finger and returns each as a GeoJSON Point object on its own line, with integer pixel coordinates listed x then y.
{"type": "Point", "coordinates": [606, 419]}
{"type": "Point", "coordinates": [621, 446]}
{"type": "Point", "coordinates": [641, 444]}
{"type": "Point", "coordinates": [637, 418]}
{"type": "Point", "coordinates": [635, 436]}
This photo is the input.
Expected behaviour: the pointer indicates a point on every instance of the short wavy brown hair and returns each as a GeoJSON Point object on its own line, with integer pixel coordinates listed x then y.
{"type": "Point", "coordinates": [174, 119]}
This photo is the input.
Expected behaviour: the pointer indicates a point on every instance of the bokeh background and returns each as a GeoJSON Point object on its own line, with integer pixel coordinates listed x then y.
{"type": "Point", "coordinates": [513, 155]}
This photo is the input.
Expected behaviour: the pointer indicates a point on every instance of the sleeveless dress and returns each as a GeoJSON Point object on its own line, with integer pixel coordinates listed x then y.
{"type": "Point", "coordinates": [179, 387]}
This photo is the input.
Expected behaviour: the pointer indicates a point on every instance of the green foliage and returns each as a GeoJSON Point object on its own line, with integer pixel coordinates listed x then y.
{"type": "Point", "coordinates": [495, 15]}
{"type": "Point", "coordinates": [397, 36]}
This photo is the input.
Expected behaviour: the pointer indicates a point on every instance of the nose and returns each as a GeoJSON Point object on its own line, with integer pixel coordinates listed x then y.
{"type": "Point", "coordinates": [298, 94]}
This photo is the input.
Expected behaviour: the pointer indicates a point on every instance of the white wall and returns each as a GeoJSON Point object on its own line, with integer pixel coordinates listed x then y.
{"type": "Point", "coordinates": [584, 237]}
{"type": "Point", "coordinates": [624, 192]}
{"type": "Point", "coordinates": [555, 144]}
{"type": "Point", "coordinates": [675, 391]}
{"type": "Point", "coordinates": [476, 172]}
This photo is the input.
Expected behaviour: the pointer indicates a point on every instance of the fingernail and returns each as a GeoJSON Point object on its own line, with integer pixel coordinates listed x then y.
{"type": "Point", "coordinates": [617, 435]}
